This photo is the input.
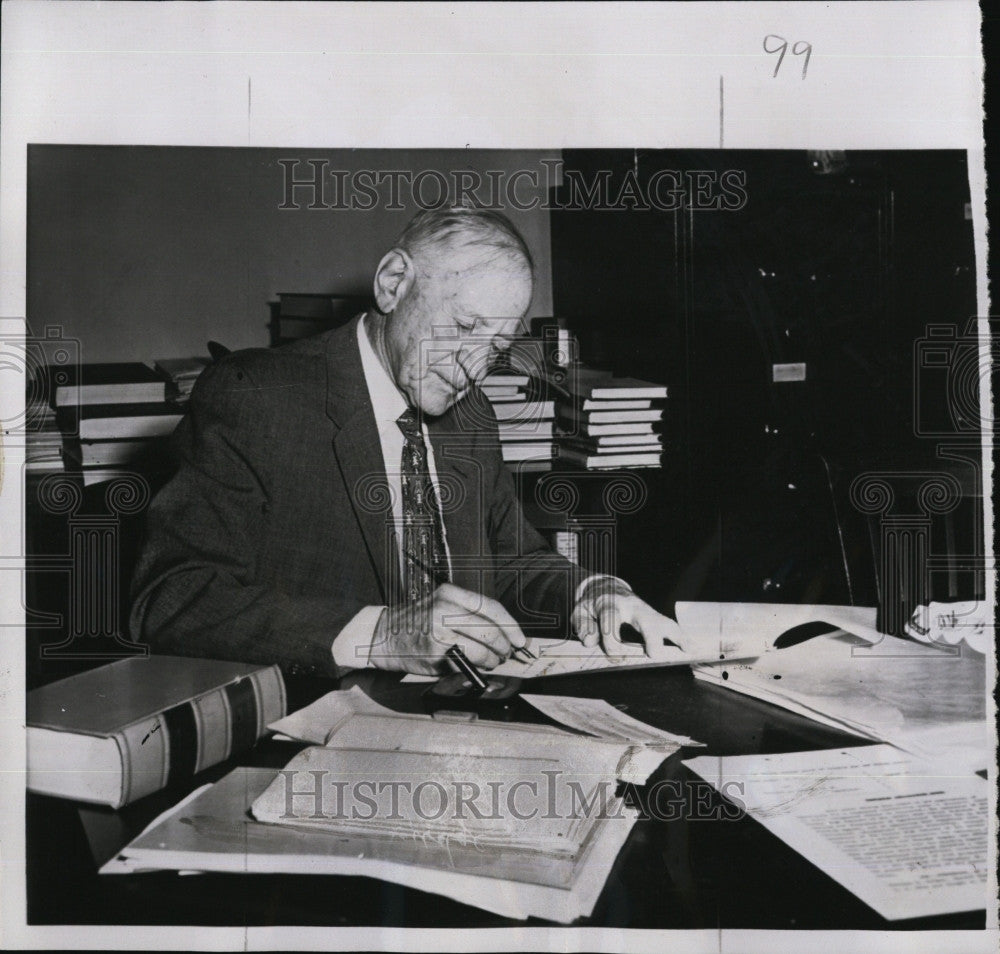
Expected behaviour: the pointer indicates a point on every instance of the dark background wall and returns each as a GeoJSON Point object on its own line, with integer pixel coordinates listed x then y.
{"type": "Point", "coordinates": [148, 252]}
{"type": "Point", "coordinates": [845, 269]}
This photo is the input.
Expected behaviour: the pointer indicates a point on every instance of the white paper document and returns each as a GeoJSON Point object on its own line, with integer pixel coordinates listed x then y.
{"type": "Point", "coordinates": [558, 657]}
{"type": "Point", "coordinates": [909, 838]}
{"type": "Point", "coordinates": [750, 629]}
{"type": "Point", "coordinates": [598, 717]}
{"type": "Point", "coordinates": [316, 721]}
{"type": "Point", "coordinates": [710, 632]}
{"type": "Point", "coordinates": [967, 747]}
{"type": "Point", "coordinates": [882, 692]}
{"type": "Point", "coordinates": [213, 831]}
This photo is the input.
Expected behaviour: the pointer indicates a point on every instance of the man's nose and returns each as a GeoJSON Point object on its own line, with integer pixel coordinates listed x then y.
{"type": "Point", "coordinates": [500, 342]}
{"type": "Point", "coordinates": [505, 331]}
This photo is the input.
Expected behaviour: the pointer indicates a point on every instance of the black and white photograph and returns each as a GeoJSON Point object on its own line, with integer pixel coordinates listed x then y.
{"type": "Point", "coordinates": [424, 531]}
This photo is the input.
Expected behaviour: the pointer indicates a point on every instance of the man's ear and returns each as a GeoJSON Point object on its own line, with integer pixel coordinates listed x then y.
{"type": "Point", "coordinates": [393, 279]}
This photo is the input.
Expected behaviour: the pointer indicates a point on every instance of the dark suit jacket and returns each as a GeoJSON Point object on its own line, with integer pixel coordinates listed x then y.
{"type": "Point", "coordinates": [277, 528]}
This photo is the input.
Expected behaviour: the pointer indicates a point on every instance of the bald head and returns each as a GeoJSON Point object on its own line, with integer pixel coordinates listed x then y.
{"type": "Point", "coordinates": [452, 290]}
{"type": "Point", "coordinates": [437, 232]}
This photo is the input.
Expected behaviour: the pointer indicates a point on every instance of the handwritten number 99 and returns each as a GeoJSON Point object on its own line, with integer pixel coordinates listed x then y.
{"type": "Point", "coordinates": [778, 44]}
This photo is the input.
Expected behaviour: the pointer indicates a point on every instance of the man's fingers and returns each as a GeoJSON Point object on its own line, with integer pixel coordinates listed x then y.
{"type": "Point", "coordinates": [655, 628]}
{"type": "Point", "coordinates": [610, 621]}
{"type": "Point", "coordinates": [490, 638]}
{"type": "Point", "coordinates": [471, 609]}
{"type": "Point", "coordinates": [584, 625]}
{"type": "Point", "coordinates": [478, 653]}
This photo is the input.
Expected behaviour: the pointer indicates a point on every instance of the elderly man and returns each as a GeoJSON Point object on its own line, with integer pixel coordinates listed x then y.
{"type": "Point", "coordinates": [342, 502]}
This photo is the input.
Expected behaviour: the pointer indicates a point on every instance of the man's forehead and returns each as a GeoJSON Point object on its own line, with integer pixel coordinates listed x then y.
{"type": "Point", "coordinates": [493, 292]}
{"type": "Point", "coordinates": [484, 283]}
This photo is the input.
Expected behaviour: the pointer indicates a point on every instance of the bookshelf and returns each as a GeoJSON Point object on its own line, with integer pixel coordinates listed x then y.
{"type": "Point", "coordinates": [298, 315]}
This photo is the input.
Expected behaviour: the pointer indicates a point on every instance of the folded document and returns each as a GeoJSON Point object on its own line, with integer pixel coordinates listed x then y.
{"type": "Point", "coordinates": [521, 820]}
{"type": "Point", "coordinates": [885, 692]}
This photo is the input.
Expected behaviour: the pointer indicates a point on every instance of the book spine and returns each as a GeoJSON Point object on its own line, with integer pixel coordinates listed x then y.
{"type": "Point", "coordinates": [198, 733]}
{"type": "Point", "coordinates": [584, 418]}
{"type": "Point", "coordinates": [528, 411]}
{"type": "Point", "coordinates": [128, 429]}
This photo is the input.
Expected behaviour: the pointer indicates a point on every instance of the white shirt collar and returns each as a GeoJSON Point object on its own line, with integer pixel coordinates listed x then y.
{"type": "Point", "coordinates": [387, 403]}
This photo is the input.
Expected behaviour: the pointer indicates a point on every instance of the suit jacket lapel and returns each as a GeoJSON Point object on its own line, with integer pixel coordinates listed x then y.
{"type": "Point", "coordinates": [359, 454]}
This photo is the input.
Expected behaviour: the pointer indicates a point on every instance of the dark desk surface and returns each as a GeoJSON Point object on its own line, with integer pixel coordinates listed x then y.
{"type": "Point", "coordinates": [687, 873]}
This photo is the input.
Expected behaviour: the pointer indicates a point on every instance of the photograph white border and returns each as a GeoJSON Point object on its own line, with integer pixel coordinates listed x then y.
{"type": "Point", "coordinates": [882, 75]}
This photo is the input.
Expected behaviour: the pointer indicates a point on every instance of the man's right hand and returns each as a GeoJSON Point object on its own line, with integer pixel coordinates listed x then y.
{"type": "Point", "coordinates": [413, 637]}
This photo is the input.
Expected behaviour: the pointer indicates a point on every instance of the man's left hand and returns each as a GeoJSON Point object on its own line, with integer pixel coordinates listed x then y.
{"type": "Point", "coordinates": [605, 604]}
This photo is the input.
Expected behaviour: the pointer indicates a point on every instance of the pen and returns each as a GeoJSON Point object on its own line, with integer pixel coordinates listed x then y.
{"type": "Point", "coordinates": [526, 652]}
{"type": "Point", "coordinates": [455, 654]}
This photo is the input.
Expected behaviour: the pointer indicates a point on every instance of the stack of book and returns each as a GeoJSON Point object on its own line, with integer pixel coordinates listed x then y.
{"type": "Point", "coordinates": [605, 422]}
{"type": "Point", "coordinates": [180, 374]}
{"type": "Point", "coordinates": [111, 414]}
{"type": "Point", "coordinates": [524, 417]}
{"type": "Point", "coordinates": [303, 314]}
{"type": "Point", "coordinates": [43, 440]}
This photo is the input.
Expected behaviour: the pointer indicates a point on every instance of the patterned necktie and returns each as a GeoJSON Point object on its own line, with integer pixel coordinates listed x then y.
{"type": "Point", "coordinates": [425, 562]}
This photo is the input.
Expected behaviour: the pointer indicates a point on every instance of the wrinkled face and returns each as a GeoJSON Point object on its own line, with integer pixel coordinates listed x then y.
{"type": "Point", "coordinates": [460, 307]}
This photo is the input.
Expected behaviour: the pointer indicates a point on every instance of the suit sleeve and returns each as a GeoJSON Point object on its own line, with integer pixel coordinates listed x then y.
{"type": "Point", "coordinates": [195, 590]}
{"type": "Point", "coordinates": [536, 584]}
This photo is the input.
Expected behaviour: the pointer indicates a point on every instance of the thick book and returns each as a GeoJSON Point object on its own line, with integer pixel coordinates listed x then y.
{"type": "Point", "coordinates": [302, 315]}
{"type": "Point", "coordinates": [113, 734]}
{"type": "Point", "coordinates": [291, 329]}
{"type": "Point", "coordinates": [518, 398]}
{"type": "Point", "coordinates": [504, 379]}
{"type": "Point", "coordinates": [614, 442]}
{"type": "Point", "coordinates": [106, 453]}
{"type": "Point", "coordinates": [526, 430]}
{"type": "Point", "coordinates": [494, 391]}
{"type": "Point", "coordinates": [181, 373]}
{"type": "Point", "coordinates": [578, 416]}
{"type": "Point", "coordinates": [529, 466]}
{"type": "Point", "coordinates": [333, 309]}
{"type": "Point", "coordinates": [525, 410]}
{"type": "Point", "coordinates": [589, 404]}
{"type": "Point", "coordinates": [597, 385]}
{"type": "Point", "coordinates": [177, 369]}
{"type": "Point", "coordinates": [121, 382]}
{"type": "Point", "coordinates": [527, 450]}
{"type": "Point", "coordinates": [583, 458]}
{"type": "Point", "coordinates": [89, 476]}
{"type": "Point", "coordinates": [647, 443]}
{"type": "Point", "coordinates": [605, 430]}
{"type": "Point", "coordinates": [120, 421]}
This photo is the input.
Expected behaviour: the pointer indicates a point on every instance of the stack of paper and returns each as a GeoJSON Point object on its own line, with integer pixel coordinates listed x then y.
{"type": "Point", "coordinates": [518, 819]}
